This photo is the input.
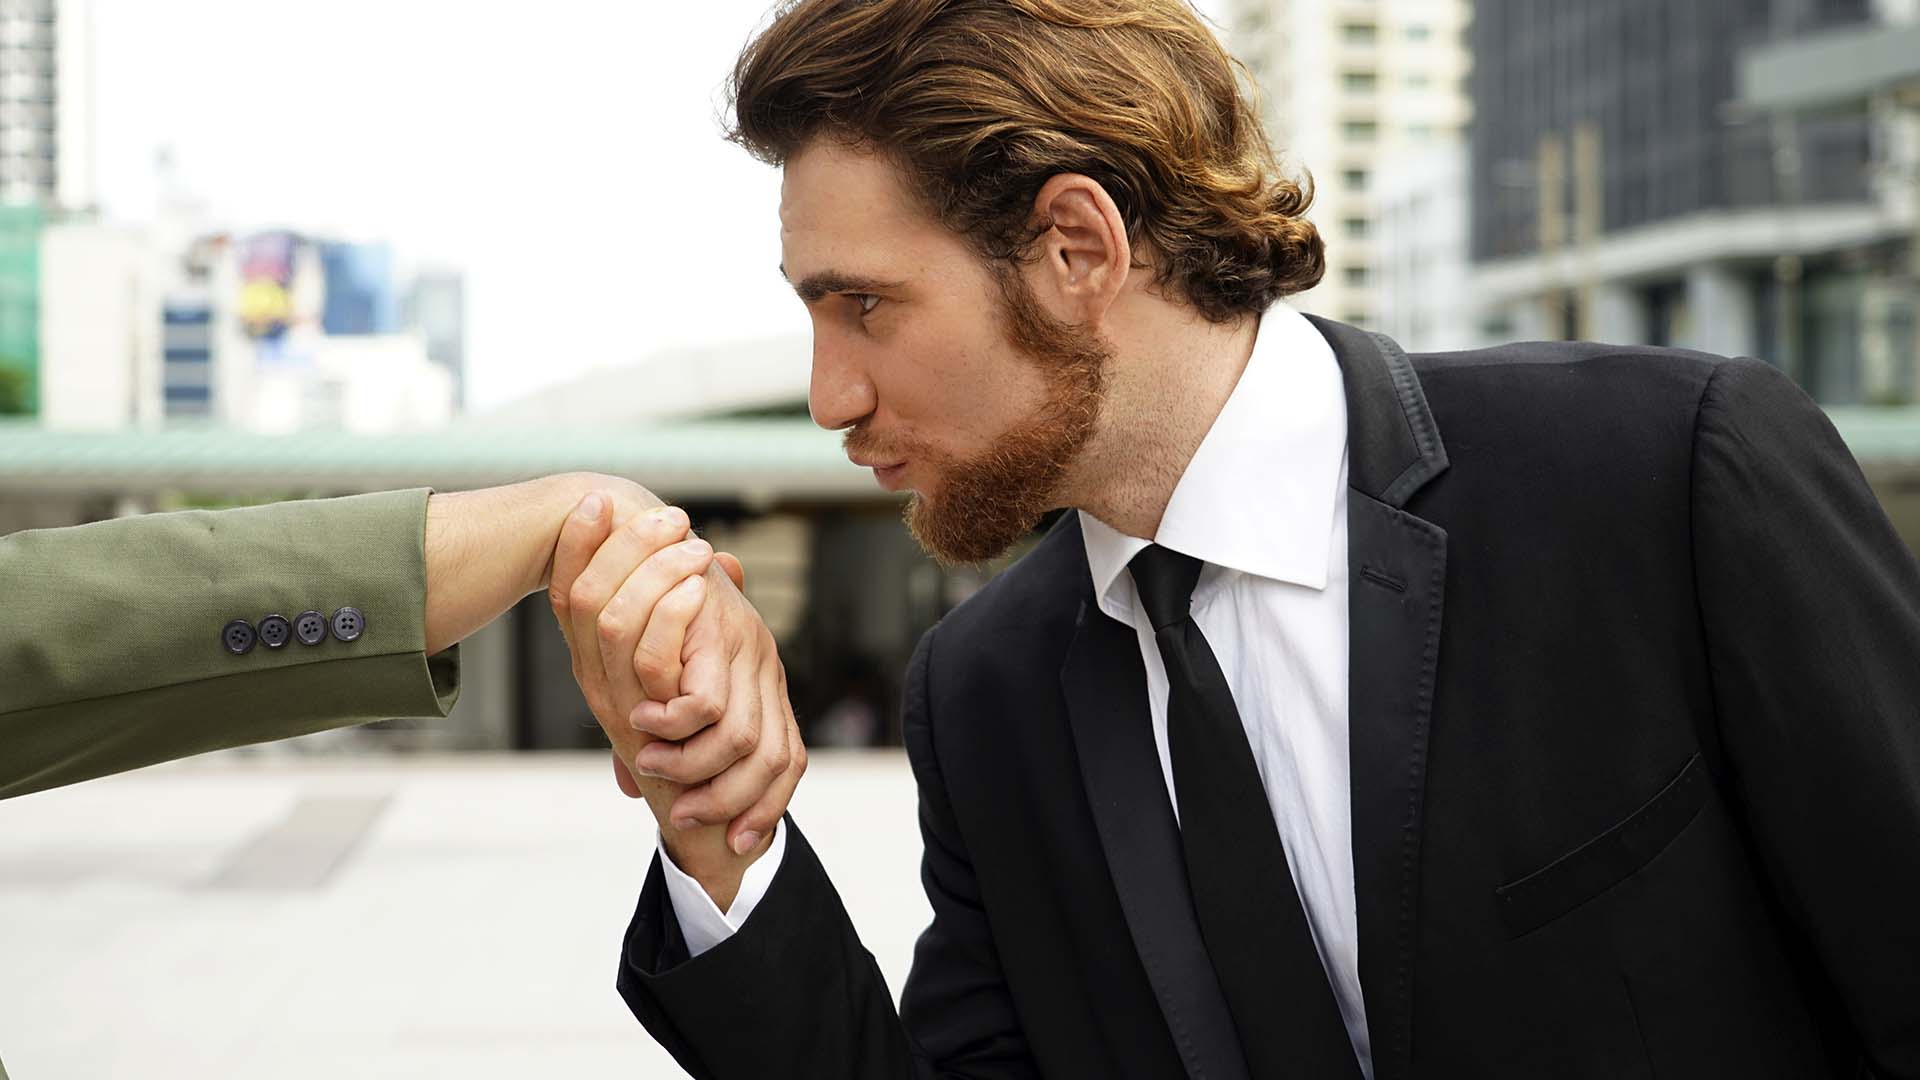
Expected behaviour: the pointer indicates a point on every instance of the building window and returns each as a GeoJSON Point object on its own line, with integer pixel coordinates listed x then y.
{"type": "Point", "coordinates": [1356, 317]}
{"type": "Point", "coordinates": [1361, 82]}
{"type": "Point", "coordinates": [1359, 33]}
{"type": "Point", "coordinates": [1419, 80]}
{"type": "Point", "coordinates": [1419, 32]}
{"type": "Point", "coordinates": [187, 396]}
{"type": "Point", "coordinates": [1355, 179]}
{"type": "Point", "coordinates": [1361, 130]}
{"type": "Point", "coordinates": [1357, 276]}
{"type": "Point", "coordinates": [1420, 131]}
{"type": "Point", "coordinates": [1356, 228]}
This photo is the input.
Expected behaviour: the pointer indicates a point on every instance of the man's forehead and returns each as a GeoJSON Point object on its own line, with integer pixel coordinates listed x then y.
{"type": "Point", "coordinates": [827, 185]}
{"type": "Point", "coordinates": [847, 211]}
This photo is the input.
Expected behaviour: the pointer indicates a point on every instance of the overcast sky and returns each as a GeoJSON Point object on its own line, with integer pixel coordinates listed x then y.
{"type": "Point", "coordinates": [565, 154]}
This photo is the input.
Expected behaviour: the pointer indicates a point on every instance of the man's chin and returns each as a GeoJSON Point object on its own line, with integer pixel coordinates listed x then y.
{"type": "Point", "coordinates": [954, 537]}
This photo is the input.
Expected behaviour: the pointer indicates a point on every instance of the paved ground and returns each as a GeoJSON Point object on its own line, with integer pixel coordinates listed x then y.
{"type": "Point", "coordinates": [392, 917]}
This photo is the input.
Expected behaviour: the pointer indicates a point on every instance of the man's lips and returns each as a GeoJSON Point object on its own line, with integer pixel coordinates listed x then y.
{"type": "Point", "coordinates": [887, 473]}
{"type": "Point", "coordinates": [890, 476]}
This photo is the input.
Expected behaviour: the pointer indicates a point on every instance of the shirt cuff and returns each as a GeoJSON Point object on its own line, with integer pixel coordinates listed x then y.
{"type": "Point", "coordinates": [702, 923]}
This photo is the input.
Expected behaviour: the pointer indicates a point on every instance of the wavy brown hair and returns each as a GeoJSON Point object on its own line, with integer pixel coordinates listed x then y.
{"type": "Point", "coordinates": [981, 101]}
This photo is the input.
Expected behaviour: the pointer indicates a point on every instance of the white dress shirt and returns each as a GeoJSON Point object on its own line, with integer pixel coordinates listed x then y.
{"type": "Point", "coordinates": [1263, 505]}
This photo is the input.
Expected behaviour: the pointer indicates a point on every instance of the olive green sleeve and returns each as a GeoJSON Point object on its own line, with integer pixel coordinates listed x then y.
{"type": "Point", "coordinates": [111, 647]}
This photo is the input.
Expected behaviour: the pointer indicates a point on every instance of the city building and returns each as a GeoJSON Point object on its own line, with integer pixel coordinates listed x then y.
{"type": "Point", "coordinates": [46, 167]}
{"type": "Point", "coordinates": [1356, 94]}
{"type": "Point", "coordinates": [102, 329]}
{"type": "Point", "coordinates": [46, 103]}
{"type": "Point", "coordinates": [1622, 190]}
{"type": "Point", "coordinates": [1424, 297]}
{"type": "Point", "coordinates": [361, 296]}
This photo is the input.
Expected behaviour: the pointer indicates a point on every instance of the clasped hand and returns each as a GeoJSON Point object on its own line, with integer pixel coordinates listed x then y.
{"type": "Point", "coordinates": [683, 676]}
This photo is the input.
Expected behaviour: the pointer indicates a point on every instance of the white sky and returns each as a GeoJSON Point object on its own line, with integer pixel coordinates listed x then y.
{"type": "Point", "coordinates": [565, 154]}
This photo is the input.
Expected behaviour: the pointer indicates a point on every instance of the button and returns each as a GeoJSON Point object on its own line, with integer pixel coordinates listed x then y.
{"type": "Point", "coordinates": [238, 637]}
{"type": "Point", "coordinates": [349, 624]}
{"type": "Point", "coordinates": [275, 631]}
{"type": "Point", "coordinates": [310, 628]}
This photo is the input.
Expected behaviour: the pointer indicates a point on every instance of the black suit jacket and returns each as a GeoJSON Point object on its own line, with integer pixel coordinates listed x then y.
{"type": "Point", "coordinates": [1635, 712]}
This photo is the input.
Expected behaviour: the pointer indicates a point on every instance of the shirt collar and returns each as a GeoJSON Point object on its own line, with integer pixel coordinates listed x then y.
{"type": "Point", "coordinates": [1259, 494]}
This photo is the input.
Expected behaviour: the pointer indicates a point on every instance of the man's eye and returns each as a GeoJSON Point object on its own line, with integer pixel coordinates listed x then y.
{"type": "Point", "coordinates": [867, 302]}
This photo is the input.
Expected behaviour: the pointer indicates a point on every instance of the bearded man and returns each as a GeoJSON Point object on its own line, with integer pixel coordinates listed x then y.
{"type": "Point", "coordinates": [1542, 711]}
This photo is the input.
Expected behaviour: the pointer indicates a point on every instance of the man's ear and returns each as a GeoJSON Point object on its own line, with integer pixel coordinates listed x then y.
{"type": "Point", "coordinates": [1084, 256]}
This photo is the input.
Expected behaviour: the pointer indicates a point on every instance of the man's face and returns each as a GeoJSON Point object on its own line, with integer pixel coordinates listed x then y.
{"type": "Point", "coordinates": [948, 381]}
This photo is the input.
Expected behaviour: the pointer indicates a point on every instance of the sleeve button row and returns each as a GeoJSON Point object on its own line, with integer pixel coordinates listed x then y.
{"type": "Point", "coordinates": [308, 628]}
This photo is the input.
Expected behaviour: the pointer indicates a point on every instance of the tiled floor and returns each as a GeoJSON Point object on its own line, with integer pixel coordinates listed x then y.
{"type": "Point", "coordinates": [387, 917]}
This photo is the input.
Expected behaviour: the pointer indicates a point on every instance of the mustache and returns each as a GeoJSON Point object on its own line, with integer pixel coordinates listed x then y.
{"type": "Point", "coordinates": [865, 442]}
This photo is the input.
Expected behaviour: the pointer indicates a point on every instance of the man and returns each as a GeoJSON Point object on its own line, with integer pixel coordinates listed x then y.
{"type": "Point", "coordinates": [143, 639]}
{"type": "Point", "coordinates": [1542, 711]}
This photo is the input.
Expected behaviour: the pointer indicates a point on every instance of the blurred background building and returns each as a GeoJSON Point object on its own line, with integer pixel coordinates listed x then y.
{"type": "Point", "coordinates": [1354, 92]}
{"type": "Point", "coordinates": [1626, 189]}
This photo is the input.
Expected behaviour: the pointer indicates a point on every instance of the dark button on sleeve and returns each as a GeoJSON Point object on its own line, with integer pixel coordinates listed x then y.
{"type": "Point", "coordinates": [238, 637]}
{"type": "Point", "coordinates": [275, 631]}
{"type": "Point", "coordinates": [310, 627]}
{"type": "Point", "coordinates": [349, 624]}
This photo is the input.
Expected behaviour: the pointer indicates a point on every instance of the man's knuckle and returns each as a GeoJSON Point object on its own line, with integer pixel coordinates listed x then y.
{"type": "Point", "coordinates": [777, 762]}
{"type": "Point", "coordinates": [613, 617]}
{"type": "Point", "coordinates": [744, 738]}
{"type": "Point", "coordinates": [705, 711]}
{"type": "Point", "coordinates": [583, 596]}
{"type": "Point", "coordinates": [650, 663]}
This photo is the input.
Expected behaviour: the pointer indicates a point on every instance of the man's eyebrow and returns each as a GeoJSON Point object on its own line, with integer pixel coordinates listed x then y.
{"type": "Point", "coordinates": [827, 282]}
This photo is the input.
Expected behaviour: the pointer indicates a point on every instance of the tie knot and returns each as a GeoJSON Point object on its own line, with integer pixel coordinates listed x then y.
{"type": "Point", "coordinates": [1164, 580]}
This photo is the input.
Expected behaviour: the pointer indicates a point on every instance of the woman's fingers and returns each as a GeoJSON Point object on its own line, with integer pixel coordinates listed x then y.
{"type": "Point", "coordinates": [580, 536]}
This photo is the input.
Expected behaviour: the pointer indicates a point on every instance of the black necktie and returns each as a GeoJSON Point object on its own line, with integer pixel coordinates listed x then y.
{"type": "Point", "coordinates": [1250, 915]}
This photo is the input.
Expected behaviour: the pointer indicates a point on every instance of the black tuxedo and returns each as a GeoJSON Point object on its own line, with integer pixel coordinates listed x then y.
{"type": "Point", "coordinates": [1635, 749]}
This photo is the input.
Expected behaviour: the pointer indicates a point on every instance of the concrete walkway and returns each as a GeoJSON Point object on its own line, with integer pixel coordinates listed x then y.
{"type": "Point", "coordinates": [396, 917]}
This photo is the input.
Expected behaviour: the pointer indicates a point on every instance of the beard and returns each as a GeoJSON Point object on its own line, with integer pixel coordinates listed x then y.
{"type": "Point", "coordinates": [982, 504]}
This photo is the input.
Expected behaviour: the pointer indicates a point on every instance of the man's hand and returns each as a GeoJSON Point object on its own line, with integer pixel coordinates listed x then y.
{"type": "Point", "coordinates": [666, 648]}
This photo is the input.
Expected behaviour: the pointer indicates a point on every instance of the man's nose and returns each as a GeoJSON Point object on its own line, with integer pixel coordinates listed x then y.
{"type": "Point", "coordinates": [841, 394]}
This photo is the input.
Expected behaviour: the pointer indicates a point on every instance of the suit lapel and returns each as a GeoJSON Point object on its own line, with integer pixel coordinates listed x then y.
{"type": "Point", "coordinates": [1106, 692]}
{"type": "Point", "coordinates": [1396, 566]}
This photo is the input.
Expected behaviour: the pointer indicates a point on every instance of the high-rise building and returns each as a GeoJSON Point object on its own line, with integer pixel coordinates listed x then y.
{"type": "Point", "coordinates": [46, 165]}
{"type": "Point", "coordinates": [360, 289]}
{"type": "Point", "coordinates": [46, 103]}
{"type": "Point", "coordinates": [1423, 296]}
{"type": "Point", "coordinates": [1354, 92]}
{"type": "Point", "coordinates": [101, 338]}
{"type": "Point", "coordinates": [187, 344]}
{"type": "Point", "coordinates": [1622, 190]}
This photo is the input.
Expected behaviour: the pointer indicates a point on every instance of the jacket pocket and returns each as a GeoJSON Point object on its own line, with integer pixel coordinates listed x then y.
{"type": "Point", "coordinates": [1604, 861]}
